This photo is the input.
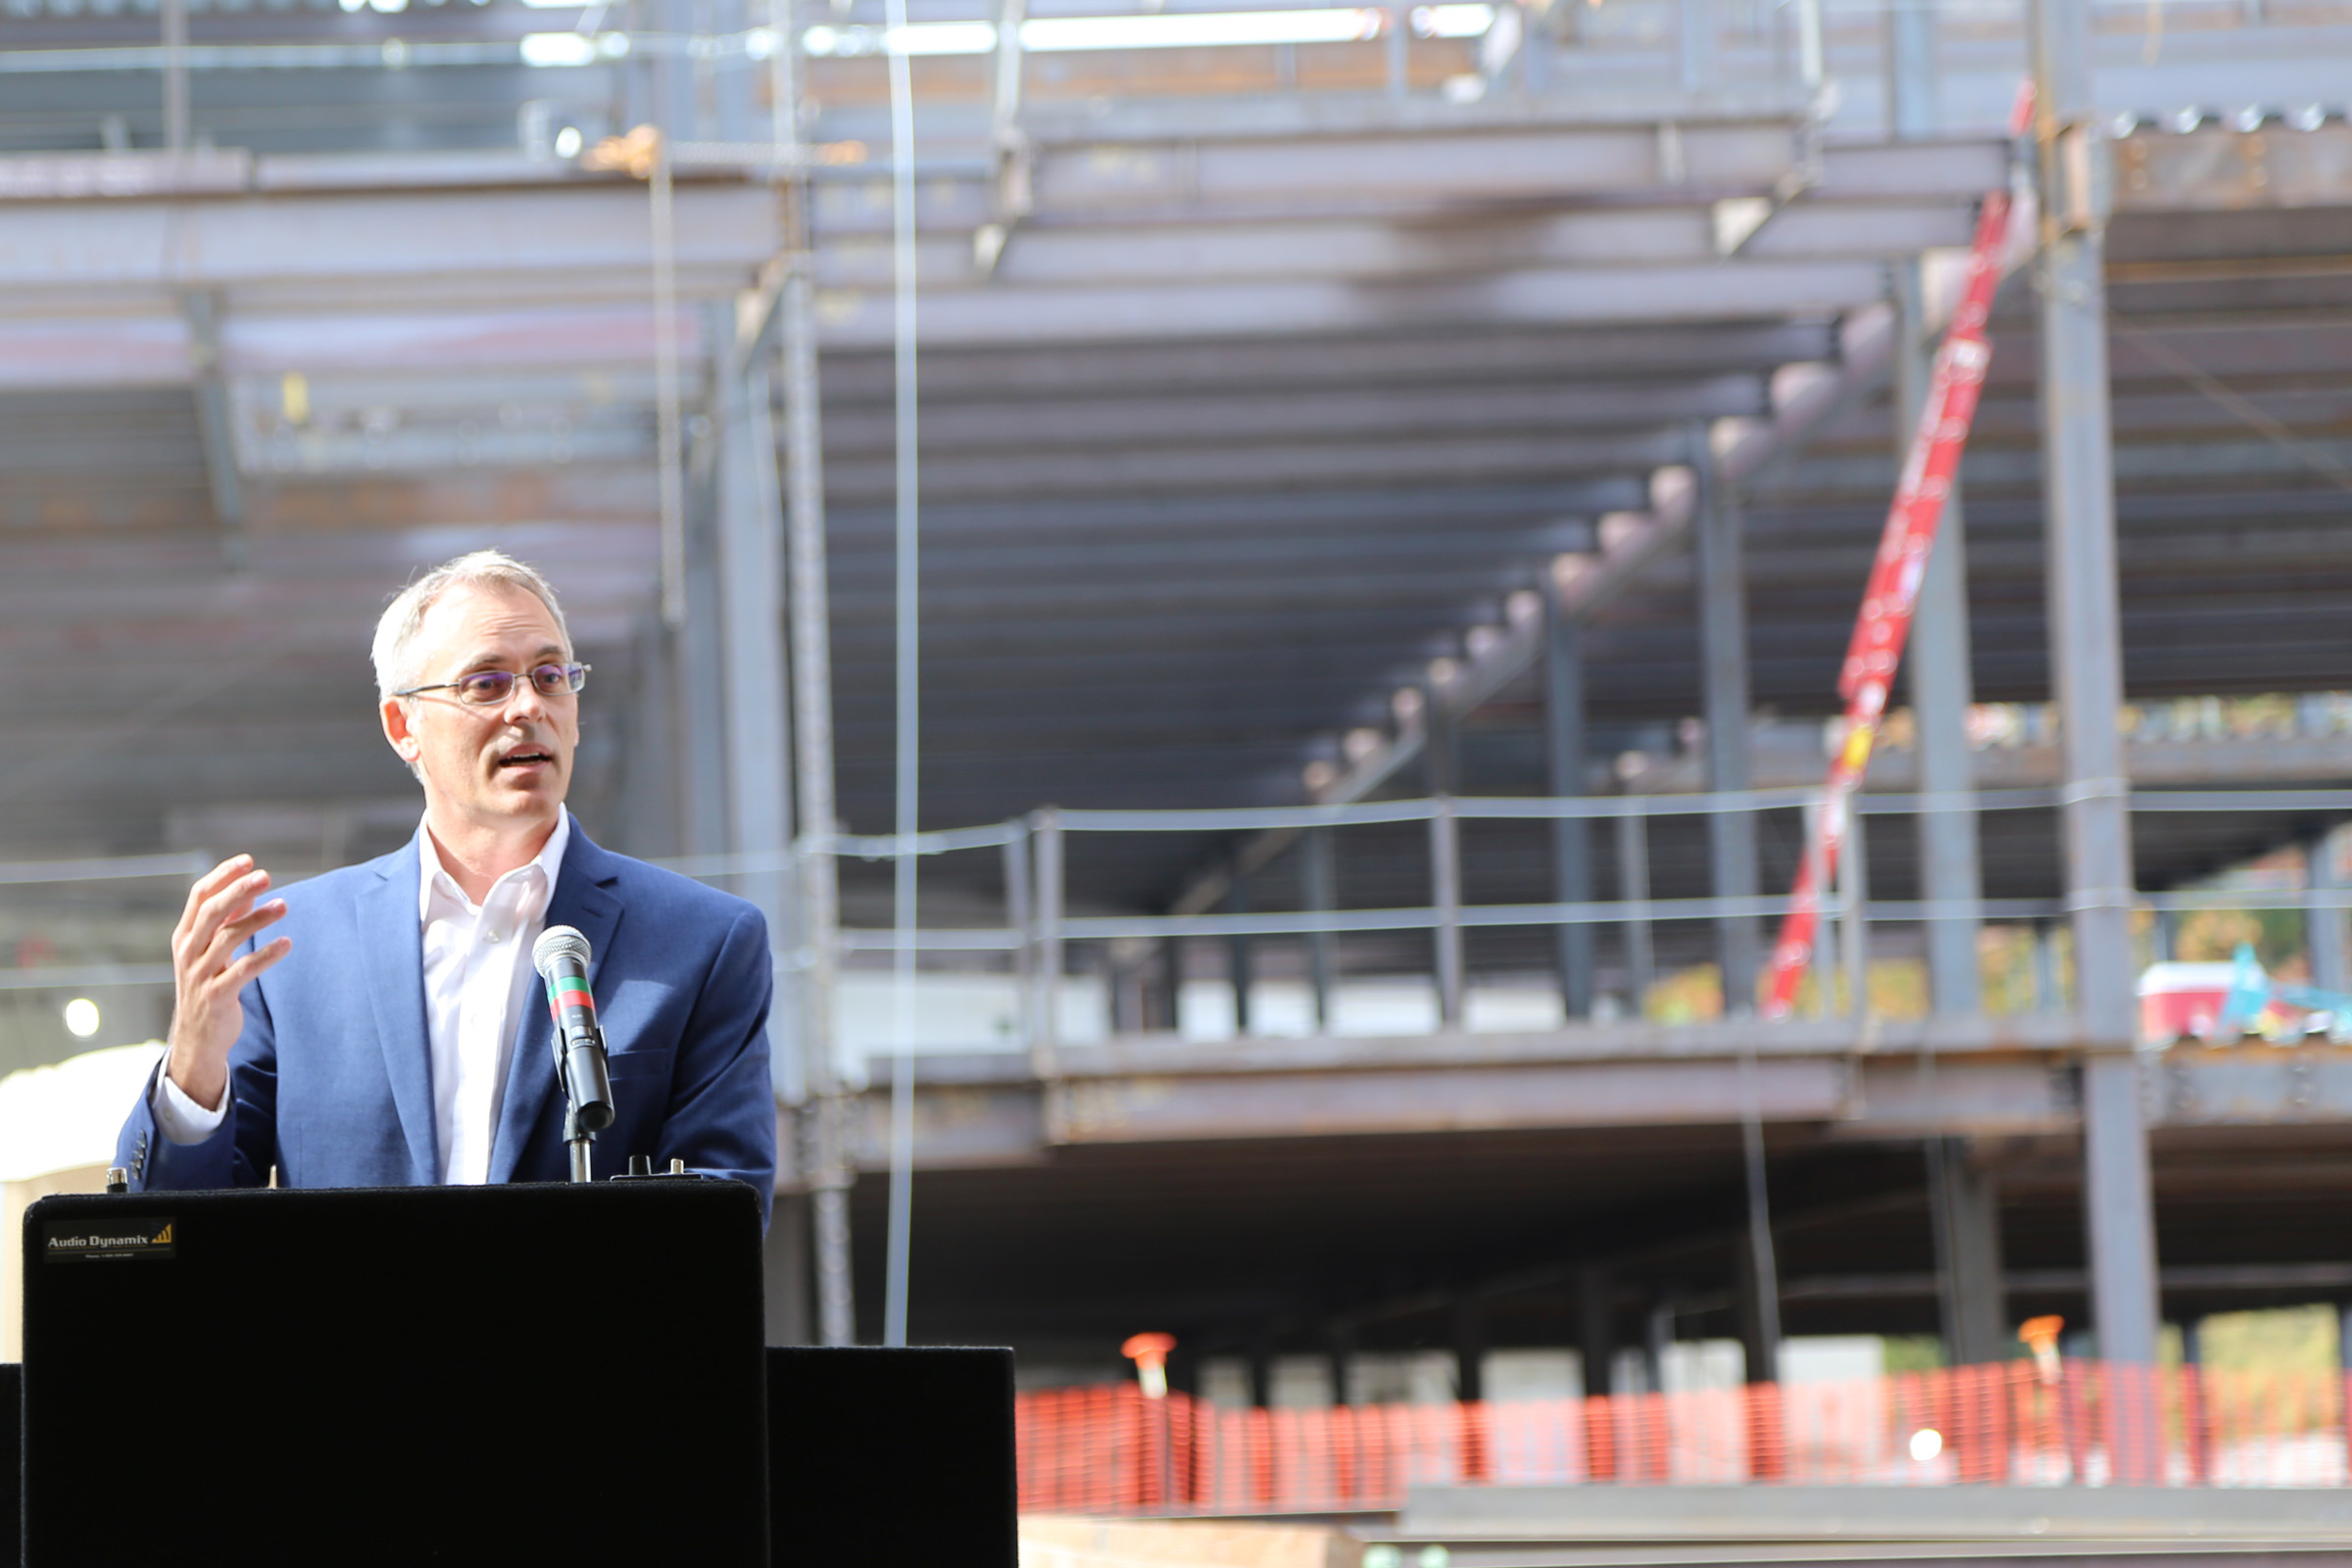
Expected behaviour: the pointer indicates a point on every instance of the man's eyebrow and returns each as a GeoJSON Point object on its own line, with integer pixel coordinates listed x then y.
{"type": "Point", "coordinates": [488, 660]}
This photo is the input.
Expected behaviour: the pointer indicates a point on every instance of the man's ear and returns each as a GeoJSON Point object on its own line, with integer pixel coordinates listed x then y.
{"type": "Point", "coordinates": [395, 714]}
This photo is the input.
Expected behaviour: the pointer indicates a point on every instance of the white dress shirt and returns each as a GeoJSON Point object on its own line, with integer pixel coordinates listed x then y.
{"type": "Point", "coordinates": [478, 981]}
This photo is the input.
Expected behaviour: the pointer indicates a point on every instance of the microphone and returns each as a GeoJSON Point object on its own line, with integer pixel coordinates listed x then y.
{"type": "Point", "coordinates": [561, 955]}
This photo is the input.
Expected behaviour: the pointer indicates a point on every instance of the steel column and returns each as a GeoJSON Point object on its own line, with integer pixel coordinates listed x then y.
{"type": "Point", "coordinates": [1470, 1349]}
{"type": "Point", "coordinates": [1238, 968]}
{"type": "Point", "coordinates": [1005, 108]}
{"type": "Point", "coordinates": [700, 641]}
{"type": "Point", "coordinates": [1853, 914]}
{"type": "Point", "coordinates": [1759, 1311]}
{"type": "Point", "coordinates": [1657, 1338]}
{"type": "Point", "coordinates": [1912, 111]}
{"type": "Point", "coordinates": [1045, 832]}
{"type": "Point", "coordinates": [1018, 916]}
{"type": "Point", "coordinates": [1723, 645]}
{"type": "Point", "coordinates": [2086, 660]}
{"type": "Point", "coordinates": [1320, 873]}
{"type": "Point", "coordinates": [1442, 743]}
{"type": "Point", "coordinates": [1564, 768]}
{"type": "Point", "coordinates": [1964, 1205]}
{"type": "Point", "coordinates": [214, 426]}
{"type": "Point", "coordinates": [1938, 669]}
{"type": "Point", "coordinates": [754, 677]}
{"type": "Point", "coordinates": [1171, 967]}
{"type": "Point", "coordinates": [1340, 1347]}
{"type": "Point", "coordinates": [785, 1266]}
{"type": "Point", "coordinates": [1446, 895]}
{"type": "Point", "coordinates": [2324, 924]}
{"type": "Point", "coordinates": [1596, 1327]}
{"type": "Point", "coordinates": [1632, 889]}
{"type": "Point", "coordinates": [830, 1112]}
{"type": "Point", "coordinates": [175, 76]}
{"type": "Point", "coordinates": [2049, 994]}
{"type": "Point", "coordinates": [1758, 1269]}
{"type": "Point", "coordinates": [1397, 41]}
{"type": "Point", "coordinates": [1697, 21]}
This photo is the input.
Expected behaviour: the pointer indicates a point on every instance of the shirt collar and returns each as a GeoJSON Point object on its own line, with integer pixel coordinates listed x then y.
{"type": "Point", "coordinates": [432, 874]}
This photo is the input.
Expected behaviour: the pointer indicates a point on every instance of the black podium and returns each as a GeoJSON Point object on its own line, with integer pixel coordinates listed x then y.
{"type": "Point", "coordinates": [561, 1374]}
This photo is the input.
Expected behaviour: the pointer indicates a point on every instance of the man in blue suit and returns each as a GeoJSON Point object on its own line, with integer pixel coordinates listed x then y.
{"type": "Point", "coordinates": [392, 1032]}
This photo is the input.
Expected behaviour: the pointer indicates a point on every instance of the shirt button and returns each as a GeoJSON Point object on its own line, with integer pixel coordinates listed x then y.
{"type": "Point", "coordinates": [489, 936]}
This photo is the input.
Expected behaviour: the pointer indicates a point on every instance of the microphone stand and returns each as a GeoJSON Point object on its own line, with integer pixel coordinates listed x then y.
{"type": "Point", "coordinates": [577, 1138]}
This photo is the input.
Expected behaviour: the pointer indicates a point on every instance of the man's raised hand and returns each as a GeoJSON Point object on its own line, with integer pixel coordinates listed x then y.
{"type": "Point", "coordinates": [207, 976]}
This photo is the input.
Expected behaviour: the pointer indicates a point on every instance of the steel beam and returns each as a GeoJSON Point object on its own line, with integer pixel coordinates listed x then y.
{"type": "Point", "coordinates": [1564, 765]}
{"type": "Point", "coordinates": [2085, 642]}
{"type": "Point", "coordinates": [1149, 418]}
{"type": "Point", "coordinates": [2218, 168]}
{"type": "Point", "coordinates": [1385, 249]}
{"type": "Point", "coordinates": [1723, 697]}
{"type": "Point", "coordinates": [1554, 296]}
{"type": "Point", "coordinates": [1429, 459]}
{"type": "Point", "coordinates": [1162, 1107]}
{"type": "Point", "coordinates": [1450, 356]}
{"type": "Point", "coordinates": [511, 246]}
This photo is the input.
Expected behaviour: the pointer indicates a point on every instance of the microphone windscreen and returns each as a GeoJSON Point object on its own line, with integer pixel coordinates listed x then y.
{"type": "Point", "coordinates": [555, 942]}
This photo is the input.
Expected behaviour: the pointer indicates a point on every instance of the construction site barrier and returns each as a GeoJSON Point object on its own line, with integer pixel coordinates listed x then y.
{"type": "Point", "coordinates": [1112, 1450]}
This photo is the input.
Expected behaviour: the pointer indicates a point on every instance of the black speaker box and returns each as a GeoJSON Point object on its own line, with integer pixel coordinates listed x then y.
{"type": "Point", "coordinates": [888, 1458]}
{"type": "Point", "coordinates": [12, 1461]}
{"type": "Point", "coordinates": [561, 1374]}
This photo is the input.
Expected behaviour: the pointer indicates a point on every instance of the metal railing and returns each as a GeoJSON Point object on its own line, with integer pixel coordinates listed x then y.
{"type": "Point", "coordinates": [1039, 930]}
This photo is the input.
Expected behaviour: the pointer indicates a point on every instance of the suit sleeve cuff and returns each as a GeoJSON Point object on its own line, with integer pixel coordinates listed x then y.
{"type": "Point", "coordinates": [177, 1116]}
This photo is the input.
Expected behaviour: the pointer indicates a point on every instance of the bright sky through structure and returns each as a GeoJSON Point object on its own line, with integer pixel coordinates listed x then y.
{"type": "Point", "coordinates": [1206, 30]}
{"type": "Point", "coordinates": [1063, 34]}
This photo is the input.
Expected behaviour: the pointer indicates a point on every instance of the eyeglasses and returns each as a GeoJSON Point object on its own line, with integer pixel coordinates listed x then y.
{"type": "Point", "coordinates": [488, 688]}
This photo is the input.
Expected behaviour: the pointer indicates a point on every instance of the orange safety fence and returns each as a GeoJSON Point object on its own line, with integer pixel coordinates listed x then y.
{"type": "Point", "coordinates": [1110, 1449]}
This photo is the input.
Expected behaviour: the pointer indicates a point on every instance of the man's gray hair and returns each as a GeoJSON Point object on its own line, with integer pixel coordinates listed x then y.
{"type": "Point", "coordinates": [396, 630]}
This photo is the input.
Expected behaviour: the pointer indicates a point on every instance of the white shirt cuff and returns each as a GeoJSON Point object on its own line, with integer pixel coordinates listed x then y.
{"type": "Point", "coordinates": [177, 1114]}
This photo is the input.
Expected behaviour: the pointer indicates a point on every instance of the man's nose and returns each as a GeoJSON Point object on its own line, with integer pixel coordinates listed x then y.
{"type": "Point", "coordinates": [524, 705]}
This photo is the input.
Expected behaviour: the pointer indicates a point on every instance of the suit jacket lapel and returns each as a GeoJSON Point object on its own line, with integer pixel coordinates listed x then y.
{"type": "Point", "coordinates": [392, 946]}
{"type": "Point", "coordinates": [585, 899]}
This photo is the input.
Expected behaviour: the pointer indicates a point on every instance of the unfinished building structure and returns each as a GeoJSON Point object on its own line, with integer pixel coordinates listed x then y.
{"type": "Point", "coordinates": [1393, 503]}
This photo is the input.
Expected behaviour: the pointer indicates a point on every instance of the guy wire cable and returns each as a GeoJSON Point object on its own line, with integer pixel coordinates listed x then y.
{"type": "Point", "coordinates": [909, 733]}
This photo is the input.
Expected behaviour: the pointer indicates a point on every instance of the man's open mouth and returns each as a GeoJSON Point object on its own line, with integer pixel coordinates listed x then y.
{"type": "Point", "coordinates": [525, 757]}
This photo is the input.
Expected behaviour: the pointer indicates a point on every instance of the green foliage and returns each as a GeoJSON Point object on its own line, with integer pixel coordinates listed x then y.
{"type": "Point", "coordinates": [2290, 1339]}
{"type": "Point", "coordinates": [1913, 1352]}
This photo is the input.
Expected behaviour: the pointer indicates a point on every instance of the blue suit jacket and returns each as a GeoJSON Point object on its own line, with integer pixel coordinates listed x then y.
{"type": "Point", "coordinates": [331, 1081]}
